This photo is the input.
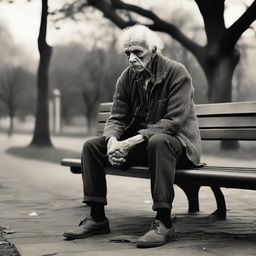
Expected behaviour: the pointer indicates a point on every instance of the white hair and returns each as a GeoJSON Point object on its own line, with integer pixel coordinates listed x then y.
{"type": "Point", "coordinates": [142, 34]}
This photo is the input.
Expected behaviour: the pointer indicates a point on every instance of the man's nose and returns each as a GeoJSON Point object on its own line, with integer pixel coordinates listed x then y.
{"type": "Point", "coordinates": [132, 58]}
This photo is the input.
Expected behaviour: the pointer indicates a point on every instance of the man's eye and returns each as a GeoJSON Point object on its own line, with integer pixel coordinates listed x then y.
{"type": "Point", "coordinates": [137, 52]}
{"type": "Point", "coordinates": [127, 53]}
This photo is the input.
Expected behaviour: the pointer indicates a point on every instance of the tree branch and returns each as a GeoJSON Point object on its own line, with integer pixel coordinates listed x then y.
{"type": "Point", "coordinates": [235, 31]}
{"type": "Point", "coordinates": [71, 9]}
{"type": "Point", "coordinates": [212, 13]}
{"type": "Point", "coordinates": [43, 26]}
{"type": "Point", "coordinates": [158, 24]}
{"type": "Point", "coordinates": [108, 11]}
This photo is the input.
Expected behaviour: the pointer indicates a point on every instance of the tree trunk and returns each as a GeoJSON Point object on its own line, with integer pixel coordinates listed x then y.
{"type": "Point", "coordinates": [11, 126]}
{"type": "Point", "coordinates": [41, 132]}
{"type": "Point", "coordinates": [219, 75]}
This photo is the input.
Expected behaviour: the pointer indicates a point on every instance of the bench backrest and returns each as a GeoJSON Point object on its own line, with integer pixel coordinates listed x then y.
{"type": "Point", "coordinates": [220, 121]}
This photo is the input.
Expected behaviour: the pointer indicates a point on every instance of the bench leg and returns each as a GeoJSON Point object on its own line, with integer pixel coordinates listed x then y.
{"type": "Point", "coordinates": [191, 191]}
{"type": "Point", "coordinates": [221, 204]}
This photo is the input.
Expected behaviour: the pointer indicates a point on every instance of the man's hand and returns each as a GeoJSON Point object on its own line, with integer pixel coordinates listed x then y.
{"type": "Point", "coordinates": [116, 159]}
{"type": "Point", "coordinates": [116, 152]}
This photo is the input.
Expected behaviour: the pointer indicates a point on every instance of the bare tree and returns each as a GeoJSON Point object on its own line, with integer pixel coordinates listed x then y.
{"type": "Point", "coordinates": [90, 84]}
{"type": "Point", "coordinates": [9, 92]}
{"type": "Point", "coordinates": [41, 135]}
{"type": "Point", "coordinates": [16, 93]}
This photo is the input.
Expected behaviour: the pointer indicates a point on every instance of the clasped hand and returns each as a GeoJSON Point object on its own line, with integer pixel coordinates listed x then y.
{"type": "Point", "coordinates": [117, 151]}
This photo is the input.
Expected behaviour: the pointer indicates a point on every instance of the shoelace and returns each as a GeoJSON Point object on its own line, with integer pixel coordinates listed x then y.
{"type": "Point", "coordinates": [83, 221]}
{"type": "Point", "coordinates": [155, 225]}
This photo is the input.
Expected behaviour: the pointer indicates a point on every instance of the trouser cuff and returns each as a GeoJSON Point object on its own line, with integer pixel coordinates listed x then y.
{"type": "Point", "coordinates": [158, 205]}
{"type": "Point", "coordinates": [94, 199]}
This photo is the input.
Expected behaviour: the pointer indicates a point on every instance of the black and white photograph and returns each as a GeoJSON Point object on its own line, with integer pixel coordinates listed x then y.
{"type": "Point", "coordinates": [127, 127]}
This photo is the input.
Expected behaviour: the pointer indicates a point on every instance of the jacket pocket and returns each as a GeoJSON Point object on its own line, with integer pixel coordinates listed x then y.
{"type": "Point", "coordinates": [160, 110]}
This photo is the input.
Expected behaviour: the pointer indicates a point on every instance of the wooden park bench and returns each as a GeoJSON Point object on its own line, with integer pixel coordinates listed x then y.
{"type": "Point", "coordinates": [221, 121]}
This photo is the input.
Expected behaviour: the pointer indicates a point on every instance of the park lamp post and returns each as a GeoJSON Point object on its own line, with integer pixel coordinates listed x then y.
{"type": "Point", "coordinates": [55, 111]}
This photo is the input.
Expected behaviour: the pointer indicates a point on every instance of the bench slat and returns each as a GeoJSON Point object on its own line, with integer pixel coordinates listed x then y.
{"type": "Point", "coordinates": [210, 122]}
{"type": "Point", "coordinates": [103, 116]}
{"type": "Point", "coordinates": [228, 134]}
{"type": "Point", "coordinates": [76, 162]}
{"type": "Point", "coordinates": [227, 122]}
{"type": "Point", "coordinates": [215, 134]}
{"type": "Point", "coordinates": [226, 108]}
{"type": "Point", "coordinates": [105, 107]}
{"type": "Point", "coordinates": [231, 108]}
{"type": "Point", "coordinates": [235, 177]}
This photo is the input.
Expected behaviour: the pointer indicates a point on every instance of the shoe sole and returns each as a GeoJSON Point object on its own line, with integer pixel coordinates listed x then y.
{"type": "Point", "coordinates": [149, 245]}
{"type": "Point", "coordinates": [96, 232]}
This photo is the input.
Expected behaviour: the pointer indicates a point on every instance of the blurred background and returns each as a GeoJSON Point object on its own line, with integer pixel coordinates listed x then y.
{"type": "Point", "coordinates": [78, 64]}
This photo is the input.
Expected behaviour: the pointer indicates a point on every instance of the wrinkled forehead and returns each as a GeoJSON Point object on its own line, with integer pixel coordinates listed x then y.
{"type": "Point", "coordinates": [135, 41]}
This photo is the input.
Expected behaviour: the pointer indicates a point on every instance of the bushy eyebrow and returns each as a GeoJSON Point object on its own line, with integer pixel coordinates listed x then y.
{"type": "Point", "coordinates": [135, 50]}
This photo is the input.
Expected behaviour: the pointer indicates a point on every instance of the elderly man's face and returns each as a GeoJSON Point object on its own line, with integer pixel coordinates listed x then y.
{"type": "Point", "coordinates": [139, 55]}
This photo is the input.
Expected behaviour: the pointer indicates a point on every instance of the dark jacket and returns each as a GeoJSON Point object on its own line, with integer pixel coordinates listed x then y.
{"type": "Point", "coordinates": [170, 107]}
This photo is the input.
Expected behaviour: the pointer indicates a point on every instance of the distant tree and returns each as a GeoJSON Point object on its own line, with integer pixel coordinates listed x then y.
{"type": "Point", "coordinates": [85, 77]}
{"type": "Point", "coordinates": [66, 61]}
{"type": "Point", "coordinates": [15, 92]}
{"type": "Point", "coordinates": [9, 91]}
{"type": "Point", "coordinates": [98, 74]}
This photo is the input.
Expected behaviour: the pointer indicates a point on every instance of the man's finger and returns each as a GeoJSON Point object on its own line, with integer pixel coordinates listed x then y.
{"type": "Point", "coordinates": [118, 154]}
{"type": "Point", "coordinates": [118, 159]}
{"type": "Point", "coordinates": [111, 151]}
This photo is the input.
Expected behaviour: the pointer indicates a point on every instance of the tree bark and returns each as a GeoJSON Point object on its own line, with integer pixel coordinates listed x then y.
{"type": "Point", "coordinates": [219, 73]}
{"type": "Point", "coordinates": [41, 135]}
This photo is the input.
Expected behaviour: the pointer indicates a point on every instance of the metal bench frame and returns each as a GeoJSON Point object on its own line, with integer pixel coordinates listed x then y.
{"type": "Point", "coordinates": [220, 121]}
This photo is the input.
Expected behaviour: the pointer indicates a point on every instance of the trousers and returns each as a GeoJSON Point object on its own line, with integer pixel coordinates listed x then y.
{"type": "Point", "coordinates": [161, 153]}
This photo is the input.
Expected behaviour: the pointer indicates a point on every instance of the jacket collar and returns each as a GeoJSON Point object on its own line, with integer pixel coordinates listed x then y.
{"type": "Point", "coordinates": [158, 70]}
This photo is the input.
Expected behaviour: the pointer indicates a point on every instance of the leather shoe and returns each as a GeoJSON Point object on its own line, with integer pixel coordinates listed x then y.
{"type": "Point", "coordinates": [88, 227]}
{"type": "Point", "coordinates": [157, 235]}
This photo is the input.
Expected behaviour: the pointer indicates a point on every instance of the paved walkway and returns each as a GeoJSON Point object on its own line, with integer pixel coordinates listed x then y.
{"type": "Point", "coordinates": [40, 200]}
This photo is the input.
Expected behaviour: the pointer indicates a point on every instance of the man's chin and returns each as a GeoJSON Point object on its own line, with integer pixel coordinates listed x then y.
{"type": "Point", "coordinates": [137, 69]}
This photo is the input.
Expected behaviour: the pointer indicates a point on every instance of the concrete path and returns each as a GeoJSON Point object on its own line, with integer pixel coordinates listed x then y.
{"type": "Point", "coordinates": [40, 200]}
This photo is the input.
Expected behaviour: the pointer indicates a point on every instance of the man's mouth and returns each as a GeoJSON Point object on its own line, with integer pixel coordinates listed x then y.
{"type": "Point", "coordinates": [136, 67]}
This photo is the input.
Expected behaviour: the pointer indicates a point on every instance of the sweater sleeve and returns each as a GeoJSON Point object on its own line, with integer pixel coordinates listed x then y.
{"type": "Point", "coordinates": [179, 103]}
{"type": "Point", "coordinates": [119, 114]}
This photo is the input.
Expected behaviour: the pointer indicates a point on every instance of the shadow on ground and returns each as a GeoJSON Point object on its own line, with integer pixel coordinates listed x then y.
{"type": "Point", "coordinates": [197, 227]}
{"type": "Point", "coordinates": [49, 154]}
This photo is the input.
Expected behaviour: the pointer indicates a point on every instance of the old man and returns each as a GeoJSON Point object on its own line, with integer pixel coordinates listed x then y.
{"type": "Point", "coordinates": [153, 123]}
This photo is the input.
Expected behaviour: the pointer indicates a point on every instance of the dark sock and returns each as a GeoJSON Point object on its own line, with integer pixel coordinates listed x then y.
{"type": "Point", "coordinates": [164, 215]}
{"type": "Point", "coordinates": [98, 212]}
